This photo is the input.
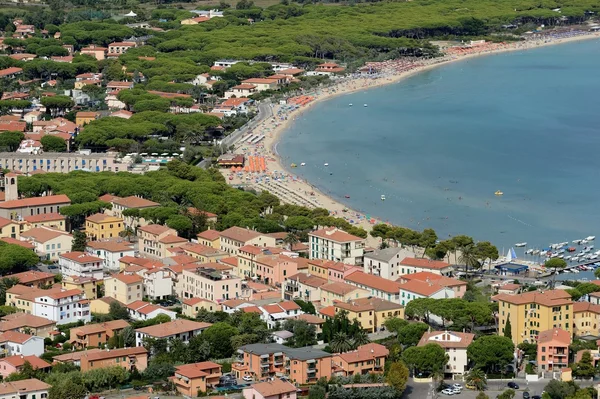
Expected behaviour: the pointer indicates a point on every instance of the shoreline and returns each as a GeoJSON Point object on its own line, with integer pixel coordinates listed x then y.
{"type": "Point", "coordinates": [282, 181]}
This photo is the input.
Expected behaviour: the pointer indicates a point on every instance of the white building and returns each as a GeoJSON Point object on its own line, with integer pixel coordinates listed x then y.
{"type": "Point", "coordinates": [455, 344]}
{"type": "Point", "coordinates": [416, 289]}
{"type": "Point", "coordinates": [30, 147]}
{"type": "Point", "coordinates": [140, 310]}
{"type": "Point", "coordinates": [63, 307]}
{"type": "Point", "coordinates": [81, 264]}
{"type": "Point", "coordinates": [110, 252]}
{"type": "Point", "coordinates": [158, 283]}
{"type": "Point", "coordinates": [49, 243]}
{"type": "Point", "coordinates": [337, 245]}
{"type": "Point", "coordinates": [410, 265]}
{"type": "Point", "coordinates": [281, 337]}
{"type": "Point", "coordinates": [18, 343]}
{"type": "Point", "coordinates": [182, 329]}
{"type": "Point", "coordinates": [279, 312]}
{"type": "Point", "coordinates": [386, 262]}
{"type": "Point", "coordinates": [25, 389]}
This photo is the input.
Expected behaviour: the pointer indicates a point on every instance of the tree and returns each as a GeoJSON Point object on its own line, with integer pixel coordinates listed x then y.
{"type": "Point", "coordinates": [158, 372]}
{"type": "Point", "coordinates": [508, 328]}
{"type": "Point", "coordinates": [394, 324]}
{"type": "Point", "coordinates": [69, 386]}
{"type": "Point", "coordinates": [219, 337]}
{"type": "Point", "coordinates": [14, 258]}
{"type": "Point", "coordinates": [529, 350]}
{"type": "Point", "coordinates": [477, 378]}
{"type": "Point", "coordinates": [291, 239]}
{"type": "Point", "coordinates": [306, 307]}
{"type": "Point", "coordinates": [79, 241]}
{"type": "Point", "coordinates": [411, 334]}
{"type": "Point", "coordinates": [427, 359]}
{"type": "Point", "coordinates": [304, 334]}
{"type": "Point", "coordinates": [57, 104]}
{"type": "Point", "coordinates": [482, 395]}
{"type": "Point", "coordinates": [581, 394]}
{"type": "Point", "coordinates": [360, 338]}
{"type": "Point", "coordinates": [53, 143]}
{"type": "Point", "coordinates": [506, 394]}
{"type": "Point", "coordinates": [397, 376]}
{"type": "Point", "coordinates": [341, 343]}
{"type": "Point", "coordinates": [559, 389]}
{"type": "Point", "coordinates": [128, 334]}
{"type": "Point", "coordinates": [9, 141]}
{"type": "Point", "coordinates": [584, 368]}
{"type": "Point", "coordinates": [555, 264]}
{"type": "Point", "coordinates": [491, 352]}
{"type": "Point", "coordinates": [317, 392]}
{"type": "Point", "coordinates": [5, 284]}
{"type": "Point", "coordinates": [117, 311]}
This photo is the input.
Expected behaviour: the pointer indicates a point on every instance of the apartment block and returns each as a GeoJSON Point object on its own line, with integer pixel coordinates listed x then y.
{"type": "Point", "coordinates": [208, 282]}
{"type": "Point", "coordinates": [125, 288]}
{"type": "Point", "coordinates": [366, 359]}
{"type": "Point", "coordinates": [95, 335]}
{"type": "Point", "coordinates": [553, 349]}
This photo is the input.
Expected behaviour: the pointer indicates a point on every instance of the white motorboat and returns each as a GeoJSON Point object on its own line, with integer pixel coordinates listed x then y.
{"type": "Point", "coordinates": [575, 259]}
{"type": "Point", "coordinates": [590, 238]}
{"type": "Point", "coordinates": [383, 197]}
{"type": "Point", "coordinates": [325, 164]}
{"type": "Point", "coordinates": [529, 252]}
{"type": "Point", "coordinates": [536, 252]}
{"type": "Point", "coordinates": [365, 105]}
{"type": "Point", "coordinates": [303, 164]}
{"type": "Point", "coordinates": [350, 104]}
{"type": "Point", "coordinates": [520, 244]}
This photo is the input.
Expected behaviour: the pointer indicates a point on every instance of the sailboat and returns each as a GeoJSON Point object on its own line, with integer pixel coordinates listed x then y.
{"type": "Point", "coordinates": [511, 255]}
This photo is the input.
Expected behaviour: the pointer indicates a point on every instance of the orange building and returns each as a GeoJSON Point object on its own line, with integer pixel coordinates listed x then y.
{"type": "Point", "coordinates": [193, 379]}
{"type": "Point", "coordinates": [300, 365]}
{"type": "Point", "coordinates": [94, 335]}
{"type": "Point", "coordinates": [128, 358]}
{"type": "Point", "coordinates": [369, 358]}
{"type": "Point", "coordinates": [553, 349]}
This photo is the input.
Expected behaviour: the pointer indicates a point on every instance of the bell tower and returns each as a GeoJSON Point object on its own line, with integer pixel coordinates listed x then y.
{"type": "Point", "coordinates": [11, 187]}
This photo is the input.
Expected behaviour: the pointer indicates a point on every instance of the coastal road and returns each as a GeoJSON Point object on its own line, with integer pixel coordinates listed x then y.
{"type": "Point", "coordinates": [265, 110]}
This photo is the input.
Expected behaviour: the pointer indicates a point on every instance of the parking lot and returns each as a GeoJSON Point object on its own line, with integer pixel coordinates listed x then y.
{"type": "Point", "coordinates": [495, 387]}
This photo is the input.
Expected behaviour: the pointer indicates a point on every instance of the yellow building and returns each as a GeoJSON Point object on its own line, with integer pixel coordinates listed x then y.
{"type": "Point", "coordinates": [586, 319]}
{"type": "Point", "coordinates": [191, 306]}
{"type": "Point", "coordinates": [125, 288]}
{"type": "Point", "coordinates": [203, 253]}
{"type": "Point", "coordinates": [101, 226]}
{"type": "Point", "coordinates": [370, 312]}
{"type": "Point", "coordinates": [101, 305]}
{"type": "Point", "coordinates": [84, 117]}
{"type": "Point", "coordinates": [9, 228]}
{"type": "Point", "coordinates": [23, 297]}
{"type": "Point", "coordinates": [52, 220]}
{"type": "Point", "coordinates": [532, 312]}
{"type": "Point", "coordinates": [340, 292]}
{"type": "Point", "coordinates": [210, 238]}
{"type": "Point", "coordinates": [88, 285]}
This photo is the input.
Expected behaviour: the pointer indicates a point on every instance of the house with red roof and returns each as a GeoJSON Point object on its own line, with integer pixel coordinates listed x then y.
{"type": "Point", "coordinates": [140, 310]}
{"type": "Point", "coordinates": [366, 359]}
{"type": "Point", "coordinates": [62, 306]}
{"type": "Point", "coordinates": [14, 364]}
{"type": "Point", "coordinates": [210, 238]}
{"type": "Point", "coordinates": [81, 264]}
{"type": "Point", "coordinates": [155, 239]}
{"type": "Point", "coordinates": [195, 378]}
{"type": "Point", "coordinates": [125, 288]}
{"type": "Point", "coordinates": [48, 243]}
{"type": "Point", "coordinates": [110, 252]}
{"type": "Point", "coordinates": [417, 289]}
{"type": "Point", "coordinates": [455, 344]}
{"type": "Point", "coordinates": [182, 329]}
{"type": "Point", "coordinates": [18, 343]}
{"type": "Point", "coordinates": [458, 286]}
{"type": "Point", "coordinates": [279, 312]}
{"type": "Point", "coordinates": [334, 244]}
{"type": "Point", "coordinates": [415, 265]}
{"type": "Point", "coordinates": [33, 206]}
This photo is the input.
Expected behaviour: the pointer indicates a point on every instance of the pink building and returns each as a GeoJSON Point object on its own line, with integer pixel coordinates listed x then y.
{"type": "Point", "coordinates": [553, 349]}
{"type": "Point", "coordinates": [14, 364]}
{"type": "Point", "coordinates": [273, 269]}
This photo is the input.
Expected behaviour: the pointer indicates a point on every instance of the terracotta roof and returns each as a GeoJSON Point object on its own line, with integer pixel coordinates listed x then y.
{"type": "Point", "coordinates": [177, 326]}
{"type": "Point", "coordinates": [44, 217]}
{"type": "Point", "coordinates": [134, 260]}
{"type": "Point", "coordinates": [335, 234]}
{"type": "Point", "coordinates": [75, 356]}
{"type": "Point", "coordinates": [36, 201]}
{"type": "Point", "coordinates": [328, 264]}
{"type": "Point", "coordinates": [447, 339]}
{"type": "Point", "coordinates": [200, 249]}
{"type": "Point", "coordinates": [274, 388]}
{"type": "Point", "coordinates": [328, 311]}
{"type": "Point", "coordinates": [135, 202]}
{"type": "Point", "coordinates": [422, 288]}
{"type": "Point", "coordinates": [128, 278]}
{"type": "Point", "coordinates": [436, 278]}
{"type": "Point", "coordinates": [20, 320]}
{"type": "Point", "coordinates": [60, 294]}
{"type": "Point", "coordinates": [555, 334]}
{"type": "Point", "coordinates": [363, 304]}
{"type": "Point", "coordinates": [195, 301]}
{"type": "Point", "coordinates": [240, 234]}
{"type": "Point", "coordinates": [235, 102]}
{"type": "Point", "coordinates": [310, 318]}
{"type": "Point", "coordinates": [509, 287]}
{"type": "Point", "coordinates": [15, 336]}
{"type": "Point", "coordinates": [23, 387]}
{"type": "Point", "coordinates": [586, 307]}
{"type": "Point", "coordinates": [209, 235]}
{"type": "Point", "coordinates": [10, 71]}
{"type": "Point", "coordinates": [339, 288]}
{"type": "Point", "coordinates": [251, 309]}
{"type": "Point", "coordinates": [376, 282]}
{"type": "Point", "coordinates": [424, 263]}
{"type": "Point", "coordinates": [110, 246]}
{"type": "Point", "coordinates": [20, 243]}
{"type": "Point", "coordinates": [101, 217]}
{"type": "Point", "coordinates": [86, 114]}
{"type": "Point", "coordinates": [546, 298]}
{"type": "Point", "coordinates": [171, 239]}
{"type": "Point", "coordinates": [231, 260]}
{"type": "Point", "coordinates": [99, 327]}
{"type": "Point", "coordinates": [81, 257]}
{"type": "Point", "coordinates": [43, 234]}
{"type": "Point", "coordinates": [364, 353]}
{"type": "Point", "coordinates": [113, 353]}
{"type": "Point", "coordinates": [18, 361]}
{"type": "Point", "coordinates": [233, 303]}
{"type": "Point", "coordinates": [196, 370]}
{"type": "Point", "coordinates": [307, 279]}
{"type": "Point", "coordinates": [155, 229]}
{"type": "Point", "coordinates": [144, 307]}
{"type": "Point", "coordinates": [30, 276]}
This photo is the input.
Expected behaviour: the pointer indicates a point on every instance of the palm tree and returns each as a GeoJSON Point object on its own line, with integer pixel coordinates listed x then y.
{"type": "Point", "coordinates": [128, 233]}
{"type": "Point", "coordinates": [469, 257]}
{"type": "Point", "coordinates": [341, 343]}
{"type": "Point", "coordinates": [291, 239]}
{"type": "Point", "coordinates": [360, 338]}
{"type": "Point", "coordinates": [477, 378]}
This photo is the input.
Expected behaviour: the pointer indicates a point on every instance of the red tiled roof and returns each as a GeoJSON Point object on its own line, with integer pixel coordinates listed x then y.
{"type": "Point", "coordinates": [36, 201]}
{"type": "Point", "coordinates": [375, 282]}
{"type": "Point", "coordinates": [44, 217]}
{"type": "Point", "coordinates": [424, 263]}
{"type": "Point", "coordinates": [421, 287]}
{"type": "Point", "coordinates": [18, 361]}
{"type": "Point", "coordinates": [328, 311]}
{"type": "Point", "coordinates": [210, 235]}
{"type": "Point", "coordinates": [447, 339]}
{"type": "Point", "coordinates": [364, 353]}
{"type": "Point", "coordinates": [80, 257]}
{"type": "Point", "coordinates": [174, 327]}
{"type": "Point", "coordinates": [155, 229]}
{"type": "Point", "coordinates": [555, 334]}
{"type": "Point", "coordinates": [546, 298]}
{"type": "Point", "coordinates": [135, 202]}
{"type": "Point", "coordinates": [335, 234]}
{"type": "Point", "coordinates": [128, 278]}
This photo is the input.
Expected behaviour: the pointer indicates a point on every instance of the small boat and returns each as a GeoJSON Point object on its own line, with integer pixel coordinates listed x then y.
{"type": "Point", "coordinates": [498, 193]}
{"type": "Point", "coordinates": [346, 196]}
{"type": "Point", "coordinates": [350, 104]}
{"type": "Point", "coordinates": [520, 244]}
{"type": "Point", "coordinates": [529, 252]}
{"type": "Point", "coordinates": [383, 197]}
{"type": "Point", "coordinates": [303, 164]}
{"type": "Point", "coordinates": [571, 249]}
{"type": "Point", "coordinates": [365, 105]}
{"type": "Point", "coordinates": [326, 164]}
{"type": "Point", "coordinates": [590, 238]}
{"type": "Point", "coordinates": [293, 165]}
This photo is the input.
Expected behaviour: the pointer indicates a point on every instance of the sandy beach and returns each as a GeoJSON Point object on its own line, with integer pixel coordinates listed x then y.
{"type": "Point", "coordinates": [280, 180]}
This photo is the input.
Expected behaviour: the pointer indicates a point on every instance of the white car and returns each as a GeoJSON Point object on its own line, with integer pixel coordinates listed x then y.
{"type": "Point", "coordinates": [247, 378]}
{"type": "Point", "coordinates": [457, 386]}
{"type": "Point", "coordinates": [448, 392]}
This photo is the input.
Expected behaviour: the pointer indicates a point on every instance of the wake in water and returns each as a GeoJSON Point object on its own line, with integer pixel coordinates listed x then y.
{"type": "Point", "coordinates": [520, 221]}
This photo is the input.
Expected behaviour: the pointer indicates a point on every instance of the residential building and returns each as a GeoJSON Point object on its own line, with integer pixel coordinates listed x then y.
{"type": "Point", "coordinates": [98, 53]}
{"type": "Point", "coordinates": [273, 269]}
{"type": "Point", "coordinates": [191, 306]}
{"type": "Point", "coordinates": [140, 311]}
{"type": "Point", "coordinates": [49, 243]}
{"type": "Point", "coordinates": [85, 117]}
{"type": "Point", "coordinates": [335, 244]}
{"type": "Point", "coordinates": [17, 343]}
{"type": "Point", "coordinates": [329, 68]}
{"type": "Point", "coordinates": [22, 297]}
{"type": "Point", "coordinates": [377, 287]}
{"type": "Point", "coordinates": [155, 239]}
{"type": "Point", "coordinates": [33, 278]}
{"type": "Point", "coordinates": [274, 389]}
{"type": "Point", "coordinates": [18, 209]}
{"type": "Point", "coordinates": [57, 162]}
{"type": "Point", "coordinates": [331, 270]}
{"type": "Point", "coordinates": [120, 47]}
{"type": "Point", "coordinates": [410, 265]}
{"type": "Point", "coordinates": [14, 364]}
{"type": "Point", "coordinates": [262, 84]}
{"type": "Point", "coordinates": [110, 252]}
{"type": "Point", "coordinates": [11, 72]}
{"type": "Point", "coordinates": [28, 323]}
{"type": "Point", "coordinates": [303, 286]}
{"type": "Point", "coordinates": [9, 228]}
{"type": "Point", "coordinates": [31, 388]}
{"type": "Point", "coordinates": [81, 264]}
{"type": "Point", "coordinates": [279, 312]}
{"type": "Point", "coordinates": [96, 335]}
{"type": "Point", "coordinates": [386, 262]}
{"type": "Point", "coordinates": [366, 359]}
{"type": "Point", "coordinates": [301, 365]}
{"type": "Point", "coordinates": [455, 344]}
{"type": "Point", "coordinates": [130, 359]}
{"type": "Point", "coordinates": [416, 289]}
{"type": "Point", "coordinates": [158, 283]}
{"type": "Point", "coordinates": [63, 307]}
{"type": "Point", "coordinates": [191, 380]}
{"type": "Point", "coordinates": [509, 288]}
{"type": "Point", "coordinates": [132, 202]}
{"type": "Point", "coordinates": [74, 357]}
{"type": "Point", "coordinates": [203, 253]}
{"type": "Point", "coordinates": [247, 255]}
{"type": "Point", "coordinates": [458, 286]}
{"type": "Point", "coordinates": [99, 226]}
{"type": "Point", "coordinates": [370, 312]}
{"type": "Point", "coordinates": [88, 285]}
{"type": "Point", "coordinates": [340, 292]}
{"type": "Point", "coordinates": [125, 288]}
{"type": "Point", "coordinates": [534, 311]}
{"type": "Point", "coordinates": [281, 337]}
{"type": "Point", "coordinates": [594, 297]}
{"type": "Point", "coordinates": [553, 349]}
{"type": "Point", "coordinates": [241, 90]}
{"type": "Point", "coordinates": [208, 282]}
{"type": "Point", "coordinates": [210, 238]}
{"type": "Point", "coordinates": [586, 319]}
{"type": "Point", "coordinates": [313, 320]}
{"type": "Point", "coordinates": [51, 220]}
{"type": "Point", "coordinates": [232, 239]}
{"type": "Point", "coordinates": [182, 329]}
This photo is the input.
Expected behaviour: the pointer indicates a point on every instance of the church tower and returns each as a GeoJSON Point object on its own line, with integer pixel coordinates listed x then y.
{"type": "Point", "coordinates": [11, 187]}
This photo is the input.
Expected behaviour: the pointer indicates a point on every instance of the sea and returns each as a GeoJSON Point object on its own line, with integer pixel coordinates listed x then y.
{"type": "Point", "coordinates": [439, 144]}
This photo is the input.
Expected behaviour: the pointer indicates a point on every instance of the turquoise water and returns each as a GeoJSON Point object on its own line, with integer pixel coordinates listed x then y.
{"type": "Point", "coordinates": [439, 144]}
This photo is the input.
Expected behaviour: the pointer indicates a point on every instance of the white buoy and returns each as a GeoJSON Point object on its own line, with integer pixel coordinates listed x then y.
{"type": "Point", "coordinates": [365, 105]}
{"type": "Point", "coordinates": [350, 104]}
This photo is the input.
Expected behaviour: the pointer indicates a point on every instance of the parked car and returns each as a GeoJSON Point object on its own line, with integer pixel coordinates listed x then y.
{"type": "Point", "coordinates": [513, 385]}
{"type": "Point", "coordinates": [457, 386]}
{"type": "Point", "coordinates": [536, 397]}
{"type": "Point", "coordinates": [470, 386]}
{"type": "Point", "coordinates": [526, 395]}
{"type": "Point", "coordinates": [448, 391]}
{"type": "Point", "coordinates": [247, 378]}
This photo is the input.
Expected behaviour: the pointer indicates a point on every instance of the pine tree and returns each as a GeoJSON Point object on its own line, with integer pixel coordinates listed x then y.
{"type": "Point", "coordinates": [508, 328]}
